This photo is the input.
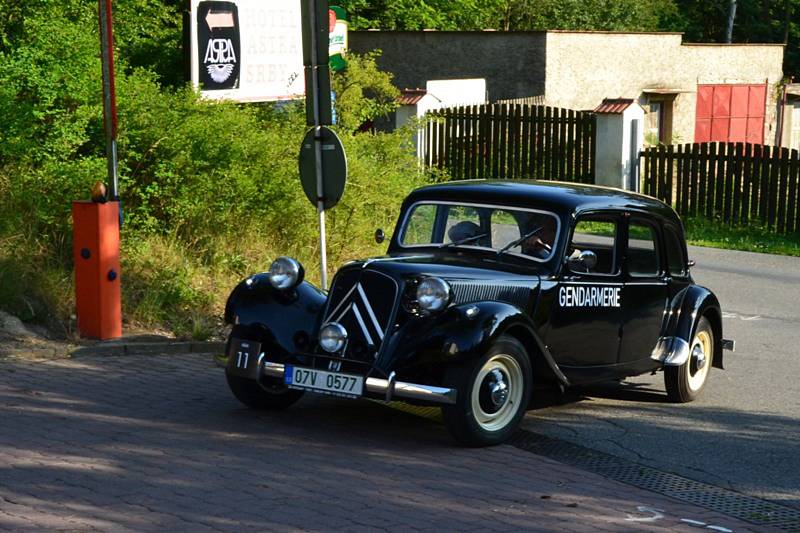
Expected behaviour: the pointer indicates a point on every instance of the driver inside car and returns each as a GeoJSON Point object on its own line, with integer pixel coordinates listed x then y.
{"type": "Point", "coordinates": [540, 245]}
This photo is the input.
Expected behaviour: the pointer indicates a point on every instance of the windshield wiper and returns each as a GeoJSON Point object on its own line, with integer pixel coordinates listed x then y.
{"type": "Point", "coordinates": [463, 241]}
{"type": "Point", "coordinates": [516, 242]}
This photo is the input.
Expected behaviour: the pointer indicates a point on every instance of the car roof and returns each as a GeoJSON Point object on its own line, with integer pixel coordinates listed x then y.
{"type": "Point", "coordinates": [559, 197]}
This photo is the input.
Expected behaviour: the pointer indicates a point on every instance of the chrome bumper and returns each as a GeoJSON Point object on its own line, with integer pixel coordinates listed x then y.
{"type": "Point", "coordinates": [388, 388]}
{"type": "Point", "coordinates": [674, 351]}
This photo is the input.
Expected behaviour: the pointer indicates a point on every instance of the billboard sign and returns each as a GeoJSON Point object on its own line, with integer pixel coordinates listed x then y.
{"type": "Point", "coordinates": [247, 50]}
{"type": "Point", "coordinates": [338, 27]}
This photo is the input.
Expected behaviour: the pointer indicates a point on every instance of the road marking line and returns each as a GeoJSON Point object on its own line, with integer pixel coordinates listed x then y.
{"type": "Point", "coordinates": [658, 514]}
{"type": "Point", "coordinates": [693, 522]}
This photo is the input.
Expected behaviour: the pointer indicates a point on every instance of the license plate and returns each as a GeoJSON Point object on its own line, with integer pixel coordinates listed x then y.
{"type": "Point", "coordinates": [332, 383]}
{"type": "Point", "coordinates": [243, 358]}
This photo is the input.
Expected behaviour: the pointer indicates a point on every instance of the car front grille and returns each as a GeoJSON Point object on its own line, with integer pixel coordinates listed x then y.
{"type": "Point", "coordinates": [363, 301]}
{"type": "Point", "coordinates": [517, 294]}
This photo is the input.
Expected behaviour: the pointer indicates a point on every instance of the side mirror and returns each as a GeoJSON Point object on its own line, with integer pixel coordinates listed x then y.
{"type": "Point", "coordinates": [586, 260]}
{"type": "Point", "coordinates": [380, 236]}
{"type": "Point", "coordinates": [690, 263]}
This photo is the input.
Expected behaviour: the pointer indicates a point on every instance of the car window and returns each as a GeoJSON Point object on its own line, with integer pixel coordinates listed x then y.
{"type": "Point", "coordinates": [675, 258]}
{"type": "Point", "coordinates": [482, 226]}
{"type": "Point", "coordinates": [419, 227]}
{"type": "Point", "coordinates": [642, 249]}
{"type": "Point", "coordinates": [597, 234]}
{"type": "Point", "coordinates": [505, 227]}
{"type": "Point", "coordinates": [464, 222]}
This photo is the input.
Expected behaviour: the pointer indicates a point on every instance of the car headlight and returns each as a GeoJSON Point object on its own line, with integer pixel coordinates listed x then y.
{"type": "Point", "coordinates": [433, 294]}
{"type": "Point", "coordinates": [285, 273]}
{"type": "Point", "coordinates": [332, 337]}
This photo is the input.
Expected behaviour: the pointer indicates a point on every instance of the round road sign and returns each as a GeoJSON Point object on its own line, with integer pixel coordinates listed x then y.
{"type": "Point", "coordinates": [334, 166]}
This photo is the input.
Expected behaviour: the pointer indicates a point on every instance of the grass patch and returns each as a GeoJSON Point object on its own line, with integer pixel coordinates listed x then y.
{"type": "Point", "coordinates": [752, 238]}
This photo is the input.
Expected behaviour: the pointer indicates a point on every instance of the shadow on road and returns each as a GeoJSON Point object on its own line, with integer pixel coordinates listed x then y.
{"type": "Point", "coordinates": [164, 436]}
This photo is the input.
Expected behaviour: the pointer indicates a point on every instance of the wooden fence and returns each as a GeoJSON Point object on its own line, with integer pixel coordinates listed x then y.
{"type": "Point", "coordinates": [510, 141]}
{"type": "Point", "coordinates": [736, 183]}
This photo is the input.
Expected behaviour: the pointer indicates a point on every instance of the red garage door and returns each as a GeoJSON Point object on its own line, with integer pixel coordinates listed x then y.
{"type": "Point", "coordinates": [730, 113]}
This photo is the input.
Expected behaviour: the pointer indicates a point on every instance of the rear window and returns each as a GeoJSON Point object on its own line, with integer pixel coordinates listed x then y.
{"type": "Point", "coordinates": [675, 255]}
{"type": "Point", "coordinates": [642, 249]}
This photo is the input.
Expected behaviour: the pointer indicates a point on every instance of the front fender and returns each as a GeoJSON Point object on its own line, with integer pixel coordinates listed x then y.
{"type": "Point", "coordinates": [286, 319]}
{"type": "Point", "coordinates": [685, 311]}
{"type": "Point", "coordinates": [456, 335]}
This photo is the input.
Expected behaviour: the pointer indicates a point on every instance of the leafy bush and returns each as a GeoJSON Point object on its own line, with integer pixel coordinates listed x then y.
{"type": "Point", "coordinates": [210, 190]}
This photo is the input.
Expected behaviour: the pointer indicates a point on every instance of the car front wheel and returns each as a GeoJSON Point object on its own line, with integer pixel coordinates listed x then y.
{"type": "Point", "coordinates": [493, 393]}
{"type": "Point", "coordinates": [272, 395]}
{"type": "Point", "coordinates": [685, 383]}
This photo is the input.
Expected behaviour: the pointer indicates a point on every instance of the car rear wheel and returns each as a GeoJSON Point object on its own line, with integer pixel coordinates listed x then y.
{"type": "Point", "coordinates": [685, 383]}
{"type": "Point", "coordinates": [271, 394]}
{"type": "Point", "coordinates": [493, 393]}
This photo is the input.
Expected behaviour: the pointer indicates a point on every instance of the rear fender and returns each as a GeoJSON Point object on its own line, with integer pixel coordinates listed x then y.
{"type": "Point", "coordinates": [685, 311]}
{"type": "Point", "coordinates": [285, 319]}
{"type": "Point", "coordinates": [465, 332]}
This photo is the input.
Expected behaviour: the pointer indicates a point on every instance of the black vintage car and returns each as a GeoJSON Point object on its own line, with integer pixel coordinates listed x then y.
{"type": "Point", "coordinates": [488, 289]}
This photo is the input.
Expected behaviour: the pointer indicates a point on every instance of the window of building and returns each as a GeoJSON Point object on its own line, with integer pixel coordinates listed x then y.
{"type": "Point", "coordinates": [658, 118]}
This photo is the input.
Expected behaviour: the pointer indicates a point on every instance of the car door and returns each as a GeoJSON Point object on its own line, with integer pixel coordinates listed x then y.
{"type": "Point", "coordinates": [645, 290]}
{"type": "Point", "coordinates": [585, 314]}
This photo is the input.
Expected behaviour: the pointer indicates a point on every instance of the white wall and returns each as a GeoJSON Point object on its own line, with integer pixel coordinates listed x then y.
{"type": "Point", "coordinates": [452, 93]}
{"type": "Point", "coordinates": [585, 67]}
{"type": "Point", "coordinates": [613, 160]}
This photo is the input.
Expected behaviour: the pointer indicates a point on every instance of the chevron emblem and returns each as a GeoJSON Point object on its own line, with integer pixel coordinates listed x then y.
{"type": "Point", "coordinates": [356, 302]}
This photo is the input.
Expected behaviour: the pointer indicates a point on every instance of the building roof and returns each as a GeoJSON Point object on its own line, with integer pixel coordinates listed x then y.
{"type": "Point", "coordinates": [411, 96]}
{"type": "Point", "coordinates": [614, 106]}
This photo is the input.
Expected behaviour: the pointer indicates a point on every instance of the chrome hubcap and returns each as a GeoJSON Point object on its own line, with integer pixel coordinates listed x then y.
{"type": "Point", "coordinates": [497, 392]}
{"type": "Point", "coordinates": [698, 357]}
{"type": "Point", "coordinates": [499, 389]}
{"type": "Point", "coordinates": [699, 363]}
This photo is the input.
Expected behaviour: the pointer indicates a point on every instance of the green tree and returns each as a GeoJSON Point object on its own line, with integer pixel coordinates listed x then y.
{"type": "Point", "coordinates": [757, 21]}
{"type": "Point", "coordinates": [421, 14]}
{"type": "Point", "coordinates": [363, 93]}
{"type": "Point", "coordinates": [509, 14]}
{"type": "Point", "coordinates": [609, 15]}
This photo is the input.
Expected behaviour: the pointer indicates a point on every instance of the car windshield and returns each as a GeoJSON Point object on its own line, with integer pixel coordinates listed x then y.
{"type": "Point", "coordinates": [528, 232]}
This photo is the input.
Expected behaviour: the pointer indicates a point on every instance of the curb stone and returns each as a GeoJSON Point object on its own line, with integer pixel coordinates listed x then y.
{"type": "Point", "coordinates": [150, 348]}
{"type": "Point", "coordinates": [33, 353]}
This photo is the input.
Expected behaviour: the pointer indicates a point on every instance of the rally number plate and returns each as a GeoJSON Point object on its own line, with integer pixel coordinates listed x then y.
{"type": "Point", "coordinates": [243, 358]}
{"type": "Point", "coordinates": [325, 382]}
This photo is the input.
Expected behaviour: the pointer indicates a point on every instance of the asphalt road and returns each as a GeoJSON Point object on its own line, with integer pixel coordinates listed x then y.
{"type": "Point", "coordinates": [744, 433]}
{"type": "Point", "coordinates": [158, 443]}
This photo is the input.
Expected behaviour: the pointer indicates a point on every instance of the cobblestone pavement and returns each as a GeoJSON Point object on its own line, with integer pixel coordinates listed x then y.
{"type": "Point", "coordinates": [158, 443]}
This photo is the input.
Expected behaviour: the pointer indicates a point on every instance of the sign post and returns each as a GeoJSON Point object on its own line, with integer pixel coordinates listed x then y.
{"type": "Point", "coordinates": [315, 17]}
